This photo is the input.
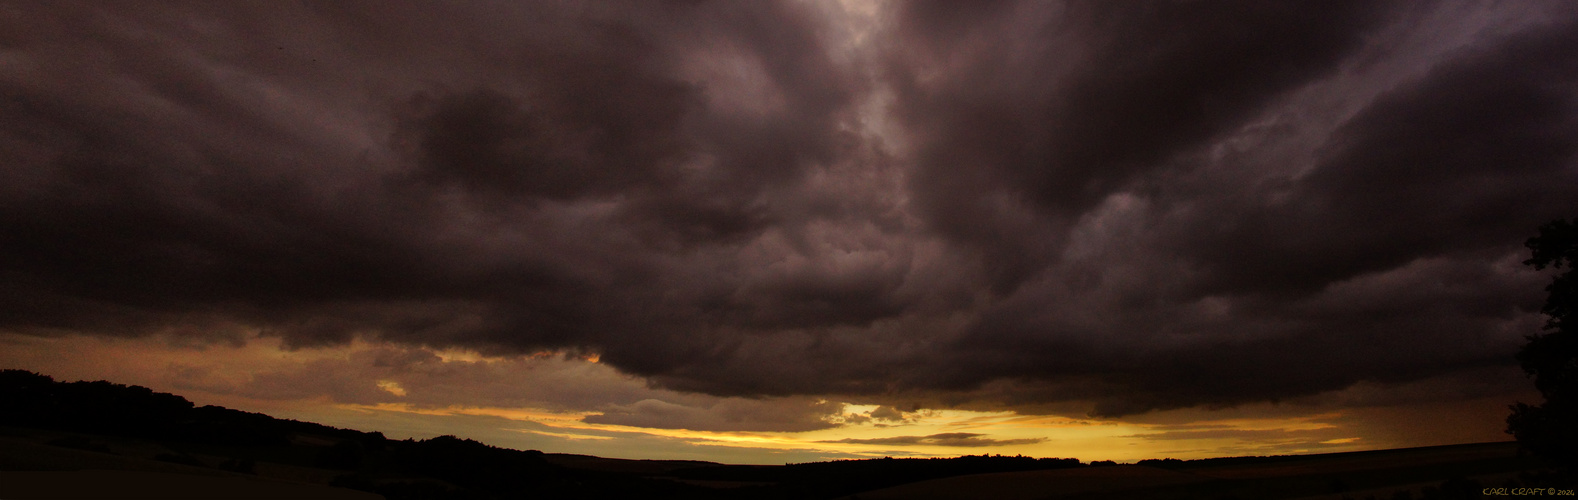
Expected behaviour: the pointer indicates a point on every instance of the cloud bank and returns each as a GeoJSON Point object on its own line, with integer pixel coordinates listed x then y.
{"type": "Point", "coordinates": [1134, 206]}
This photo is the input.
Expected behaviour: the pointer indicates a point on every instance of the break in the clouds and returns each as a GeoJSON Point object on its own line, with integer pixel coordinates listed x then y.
{"type": "Point", "coordinates": [1129, 206]}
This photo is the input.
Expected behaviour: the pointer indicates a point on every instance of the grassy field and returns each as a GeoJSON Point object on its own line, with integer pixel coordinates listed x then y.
{"type": "Point", "coordinates": [1033, 485]}
{"type": "Point", "coordinates": [1357, 475]}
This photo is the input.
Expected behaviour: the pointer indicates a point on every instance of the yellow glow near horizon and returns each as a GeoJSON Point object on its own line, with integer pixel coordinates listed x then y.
{"type": "Point", "coordinates": [565, 435]}
{"type": "Point", "coordinates": [221, 373]}
{"type": "Point", "coordinates": [1031, 435]}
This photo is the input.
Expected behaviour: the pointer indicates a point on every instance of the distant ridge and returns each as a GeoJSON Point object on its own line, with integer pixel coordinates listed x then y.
{"type": "Point", "coordinates": [100, 418]}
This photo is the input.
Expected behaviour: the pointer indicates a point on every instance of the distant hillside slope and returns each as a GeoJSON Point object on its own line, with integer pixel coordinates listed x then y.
{"type": "Point", "coordinates": [102, 425]}
{"type": "Point", "coordinates": [32, 400]}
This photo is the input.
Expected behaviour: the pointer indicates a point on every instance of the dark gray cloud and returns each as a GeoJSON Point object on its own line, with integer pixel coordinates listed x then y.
{"type": "Point", "coordinates": [1053, 107]}
{"type": "Point", "coordinates": [955, 439]}
{"type": "Point", "coordinates": [1133, 206]}
{"type": "Point", "coordinates": [1463, 159]}
{"type": "Point", "coordinates": [1392, 256]}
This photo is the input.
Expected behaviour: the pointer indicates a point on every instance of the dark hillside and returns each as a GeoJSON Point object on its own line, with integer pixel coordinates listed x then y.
{"type": "Point", "coordinates": [91, 416]}
{"type": "Point", "coordinates": [843, 477]}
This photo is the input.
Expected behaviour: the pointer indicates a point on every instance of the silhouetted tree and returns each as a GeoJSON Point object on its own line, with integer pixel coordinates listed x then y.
{"type": "Point", "coordinates": [1551, 430]}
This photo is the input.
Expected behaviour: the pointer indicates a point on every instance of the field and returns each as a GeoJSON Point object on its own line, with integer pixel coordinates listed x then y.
{"type": "Point", "coordinates": [1035, 484]}
{"type": "Point", "coordinates": [1358, 475]}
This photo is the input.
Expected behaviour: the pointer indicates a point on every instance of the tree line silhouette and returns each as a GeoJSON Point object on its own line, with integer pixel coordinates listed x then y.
{"type": "Point", "coordinates": [1550, 430]}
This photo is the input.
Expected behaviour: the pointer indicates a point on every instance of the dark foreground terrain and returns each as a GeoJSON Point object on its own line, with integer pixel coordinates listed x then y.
{"type": "Point", "coordinates": [104, 440]}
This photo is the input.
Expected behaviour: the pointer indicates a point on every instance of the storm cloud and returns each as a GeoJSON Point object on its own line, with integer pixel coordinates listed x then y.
{"type": "Point", "coordinates": [1127, 206]}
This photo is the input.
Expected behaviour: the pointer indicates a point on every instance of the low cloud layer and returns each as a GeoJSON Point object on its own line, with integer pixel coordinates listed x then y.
{"type": "Point", "coordinates": [953, 439]}
{"type": "Point", "coordinates": [1129, 207]}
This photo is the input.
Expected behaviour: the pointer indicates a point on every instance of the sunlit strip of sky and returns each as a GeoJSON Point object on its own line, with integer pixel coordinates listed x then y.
{"type": "Point", "coordinates": [237, 375]}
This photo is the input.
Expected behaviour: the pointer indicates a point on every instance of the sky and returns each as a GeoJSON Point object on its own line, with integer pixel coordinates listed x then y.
{"type": "Point", "coordinates": [792, 231]}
